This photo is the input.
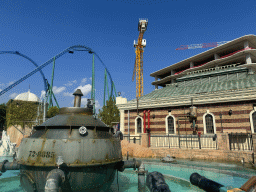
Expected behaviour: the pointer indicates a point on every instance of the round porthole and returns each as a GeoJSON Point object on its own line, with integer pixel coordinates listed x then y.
{"type": "Point", "coordinates": [82, 130]}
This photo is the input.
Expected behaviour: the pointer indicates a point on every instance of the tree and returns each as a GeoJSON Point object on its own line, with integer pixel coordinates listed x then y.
{"type": "Point", "coordinates": [2, 115]}
{"type": "Point", "coordinates": [109, 112]}
{"type": "Point", "coordinates": [53, 111]}
{"type": "Point", "coordinates": [21, 113]}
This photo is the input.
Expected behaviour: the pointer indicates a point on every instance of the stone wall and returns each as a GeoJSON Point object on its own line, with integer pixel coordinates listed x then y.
{"type": "Point", "coordinates": [205, 154]}
{"type": "Point", "coordinates": [16, 136]}
{"type": "Point", "coordinates": [223, 153]}
{"type": "Point", "coordinates": [238, 121]}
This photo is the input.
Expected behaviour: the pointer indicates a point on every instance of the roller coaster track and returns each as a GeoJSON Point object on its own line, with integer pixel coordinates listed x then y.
{"type": "Point", "coordinates": [71, 49]}
{"type": "Point", "coordinates": [26, 57]}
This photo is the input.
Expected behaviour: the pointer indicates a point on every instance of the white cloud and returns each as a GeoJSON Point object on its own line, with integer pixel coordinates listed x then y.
{"type": "Point", "coordinates": [70, 83]}
{"type": "Point", "coordinates": [42, 93]}
{"type": "Point", "coordinates": [90, 78]}
{"type": "Point", "coordinates": [97, 105]}
{"type": "Point", "coordinates": [84, 80]}
{"type": "Point", "coordinates": [57, 90]}
{"type": "Point", "coordinates": [85, 89]}
{"type": "Point", "coordinates": [11, 82]}
{"type": "Point", "coordinates": [68, 94]}
{"type": "Point", "coordinates": [13, 95]}
{"type": "Point", "coordinates": [83, 102]}
{"type": "Point", "coordinates": [1, 89]}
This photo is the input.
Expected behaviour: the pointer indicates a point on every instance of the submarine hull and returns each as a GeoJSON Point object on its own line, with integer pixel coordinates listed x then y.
{"type": "Point", "coordinates": [89, 179]}
{"type": "Point", "coordinates": [89, 163]}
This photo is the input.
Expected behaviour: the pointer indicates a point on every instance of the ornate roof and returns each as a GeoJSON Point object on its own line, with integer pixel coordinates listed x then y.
{"type": "Point", "coordinates": [27, 96]}
{"type": "Point", "coordinates": [207, 84]}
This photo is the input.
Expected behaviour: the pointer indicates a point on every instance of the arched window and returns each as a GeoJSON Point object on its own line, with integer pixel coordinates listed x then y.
{"type": "Point", "coordinates": [253, 121]}
{"type": "Point", "coordinates": [170, 125]}
{"type": "Point", "coordinates": [138, 125]}
{"type": "Point", "coordinates": [209, 124]}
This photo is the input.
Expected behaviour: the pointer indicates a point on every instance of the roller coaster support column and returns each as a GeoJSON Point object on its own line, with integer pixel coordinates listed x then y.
{"type": "Point", "coordinates": [105, 85]}
{"type": "Point", "coordinates": [93, 84]}
{"type": "Point", "coordinates": [114, 89]}
{"type": "Point", "coordinates": [50, 89]}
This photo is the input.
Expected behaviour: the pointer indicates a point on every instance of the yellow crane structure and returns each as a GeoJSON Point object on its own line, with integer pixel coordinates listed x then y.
{"type": "Point", "coordinates": [138, 65]}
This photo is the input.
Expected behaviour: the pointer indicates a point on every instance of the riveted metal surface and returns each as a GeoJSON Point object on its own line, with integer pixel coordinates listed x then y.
{"type": "Point", "coordinates": [80, 179]}
{"type": "Point", "coordinates": [75, 110]}
{"type": "Point", "coordinates": [87, 158]}
{"type": "Point", "coordinates": [72, 120]}
{"type": "Point", "coordinates": [43, 152]}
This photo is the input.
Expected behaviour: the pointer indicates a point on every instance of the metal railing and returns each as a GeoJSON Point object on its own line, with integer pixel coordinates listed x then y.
{"type": "Point", "coordinates": [184, 141]}
{"type": "Point", "coordinates": [133, 139]}
{"type": "Point", "coordinates": [240, 141]}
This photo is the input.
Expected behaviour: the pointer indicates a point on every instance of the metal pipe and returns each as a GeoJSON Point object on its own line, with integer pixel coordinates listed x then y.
{"type": "Point", "coordinates": [54, 180]}
{"type": "Point", "coordinates": [6, 165]}
{"type": "Point", "coordinates": [141, 178]}
{"type": "Point", "coordinates": [148, 128]}
{"type": "Point", "coordinates": [132, 164]}
{"type": "Point", "coordinates": [129, 126]}
{"type": "Point", "coordinates": [144, 119]}
{"type": "Point", "coordinates": [122, 165]}
{"type": "Point", "coordinates": [155, 182]}
{"type": "Point", "coordinates": [204, 183]}
{"type": "Point", "coordinates": [77, 101]}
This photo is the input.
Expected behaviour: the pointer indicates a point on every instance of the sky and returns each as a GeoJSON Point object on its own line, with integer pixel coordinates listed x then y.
{"type": "Point", "coordinates": [42, 29]}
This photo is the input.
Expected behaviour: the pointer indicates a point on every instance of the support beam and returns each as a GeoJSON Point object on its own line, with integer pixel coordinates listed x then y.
{"type": "Point", "coordinates": [156, 79]}
{"type": "Point", "coordinates": [246, 44]}
{"type": "Point", "coordinates": [248, 59]}
{"type": "Point", "coordinates": [216, 56]}
{"type": "Point", "coordinates": [191, 64]}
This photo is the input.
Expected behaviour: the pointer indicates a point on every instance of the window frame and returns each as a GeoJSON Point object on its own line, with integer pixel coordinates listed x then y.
{"type": "Point", "coordinates": [166, 125]}
{"type": "Point", "coordinates": [251, 120]}
{"type": "Point", "coordinates": [214, 123]}
{"type": "Point", "coordinates": [142, 124]}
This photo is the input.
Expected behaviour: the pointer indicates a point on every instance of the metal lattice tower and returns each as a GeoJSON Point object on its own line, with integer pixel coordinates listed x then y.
{"type": "Point", "coordinates": [139, 48]}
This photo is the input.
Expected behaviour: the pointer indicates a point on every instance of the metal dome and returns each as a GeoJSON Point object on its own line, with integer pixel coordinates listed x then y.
{"type": "Point", "coordinates": [27, 96]}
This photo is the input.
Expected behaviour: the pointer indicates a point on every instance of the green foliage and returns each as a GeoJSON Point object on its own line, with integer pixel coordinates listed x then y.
{"type": "Point", "coordinates": [53, 111]}
{"type": "Point", "coordinates": [109, 112]}
{"type": "Point", "coordinates": [21, 113]}
{"type": "Point", "coordinates": [2, 115]}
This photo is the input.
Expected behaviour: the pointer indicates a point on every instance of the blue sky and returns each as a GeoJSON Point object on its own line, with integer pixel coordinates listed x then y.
{"type": "Point", "coordinates": [42, 29]}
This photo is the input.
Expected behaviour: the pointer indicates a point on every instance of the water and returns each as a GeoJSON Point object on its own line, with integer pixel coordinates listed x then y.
{"type": "Point", "coordinates": [176, 175]}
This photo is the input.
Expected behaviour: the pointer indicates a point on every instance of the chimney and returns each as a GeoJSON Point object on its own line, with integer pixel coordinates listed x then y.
{"type": "Point", "coordinates": [78, 94]}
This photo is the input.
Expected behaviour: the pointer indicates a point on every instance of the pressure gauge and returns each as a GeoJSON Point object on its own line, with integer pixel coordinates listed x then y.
{"type": "Point", "coordinates": [82, 130]}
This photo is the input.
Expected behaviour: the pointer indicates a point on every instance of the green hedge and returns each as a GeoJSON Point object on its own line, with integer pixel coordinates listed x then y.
{"type": "Point", "coordinates": [18, 112]}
